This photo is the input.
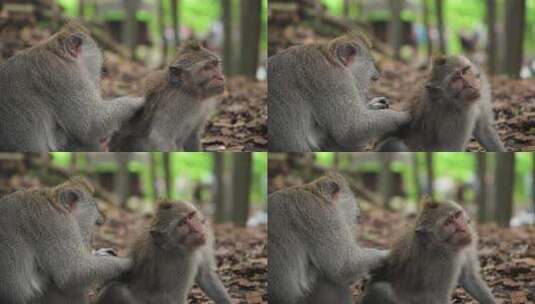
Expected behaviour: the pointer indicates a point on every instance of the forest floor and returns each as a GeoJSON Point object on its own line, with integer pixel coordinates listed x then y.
{"type": "Point", "coordinates": [238, 124]}
{"type": "Point", "coordinates": [506, 255]}
{"type": "Point", "coordinates": [513, 100]}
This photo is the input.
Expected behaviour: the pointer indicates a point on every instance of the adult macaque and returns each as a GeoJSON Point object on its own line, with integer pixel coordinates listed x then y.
{"type": "Point", "coordinates": [51, 98]}
{"type": "Point", "coordinates": [313, 254]}
{"type": "Point", "coordinates": [44, 246]}
{"type": "Point", "coordinates": [453, 105]}
{"type": "Point", "coordinates": [425, 265]}
{"type": "Point", "coordinates": [317, 98]}
{"type": "Point", "coordinates": [178, 102]}
{"type": "Point", "coordinates": [168, 258]}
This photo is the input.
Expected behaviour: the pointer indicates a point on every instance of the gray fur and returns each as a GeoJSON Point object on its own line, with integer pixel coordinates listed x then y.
{"type": "Point", "coordinates": [425, 271]}
{"type": "Point", "coordinates": [446, 123]}
{"type": "Point", "coordinates": [316, 103]}
{"type": "Point", "coordinates": [164, 274]}
{"type": "Point", "coordinates": [44, 256]}
{"type": "Point", "coordinates": [177, 125]}
{"type": "Point", "coordinates": [53, 103]}
{"type": "Point", "coordinates": [313, 254]}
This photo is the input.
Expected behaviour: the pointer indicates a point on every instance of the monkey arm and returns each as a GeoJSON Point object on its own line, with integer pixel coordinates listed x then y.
{"type": "Point", "coordinates": [471, 280]}
{"type": "Point", "coordinates": [113, 113]}
{"type": "Point", "coordinates": [487, 136]}
{"type": "Point", "coordinates": [209, 281]}
{"type": "Point", "coordinates": [356, 127]}
{"type": "Point", "coordinates": [84, 270]}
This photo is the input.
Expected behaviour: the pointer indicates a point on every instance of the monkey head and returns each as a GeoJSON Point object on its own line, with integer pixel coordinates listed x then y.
{"type": "Point", "coordinates": [197, 70]}
{"type": "Point", "coordinates": [74, 43]}
{"type": "Point", "coordinates": [353, 52]}
{"type": "Point", "coordinates": [75, 198]}
{"type": "Point", "coordinates": [455, 79]}
{"type": "Point", "coordinates": [444, 225]}
{"type": "Point", "coordinates": [334, 190]}
{"type": "Point", "coordinates": [178, 225]}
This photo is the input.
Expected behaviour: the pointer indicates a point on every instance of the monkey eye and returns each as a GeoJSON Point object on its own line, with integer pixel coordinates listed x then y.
{"type": "Point", "coordinates": [465, 70]}
{"type": "Point", "coordinates": [448, 221]}
{"type": "Point", "coordinates": [458, 214]}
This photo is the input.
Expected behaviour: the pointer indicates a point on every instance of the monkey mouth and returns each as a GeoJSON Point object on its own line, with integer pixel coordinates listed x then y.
{"type": "Point", "coordinates": [471, 94]}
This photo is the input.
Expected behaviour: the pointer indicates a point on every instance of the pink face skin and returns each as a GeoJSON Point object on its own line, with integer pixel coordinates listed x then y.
{"type": "Point", "coordinates": [192, 227]}
{"type": "Point", "coordinates": [456, 227]}
{"type": "Point", "coordinates": [466, 84]}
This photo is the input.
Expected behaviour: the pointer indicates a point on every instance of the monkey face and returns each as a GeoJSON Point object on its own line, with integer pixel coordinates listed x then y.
{"type": "Point", "coordinates": [180, 226]}
{"type": "Point", "coordinates": [198, 71]}
{"type": "Point", "coordinates": [465, 84]}
{"type": "Point", "coordinates": [456, 230]}
{"type": "Point", "coordinates": [190, 230]}
{"type": "Point", "coordinates": [209, 77]}
{"type": "Point", "coordinates": [455, 79]}
{"type": "Point", "coordinates": [445, 225]}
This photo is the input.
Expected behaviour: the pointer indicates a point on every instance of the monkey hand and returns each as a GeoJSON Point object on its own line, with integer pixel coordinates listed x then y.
{"type": "Point", "coordinates": [105, 252]}
{"type": "Point", "coordinates": [379, 103]}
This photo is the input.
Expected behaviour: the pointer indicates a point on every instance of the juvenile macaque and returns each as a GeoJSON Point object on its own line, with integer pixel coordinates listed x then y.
{"type": "Point", "coordinates": [317, 98]}
{"type": "Point", "coordinates": [178, 102]}
{"type": "Point", "coordinates": [168, 258]}
{"type": "Point", "coordinates": [51, 99]}
{"type": "Point", "coordinates": [426, 264]}
{"type": "Point", "coordinates": [453, 105]}
{"type": "Point", "coordinates": [313, 254]}
{"type": "Point", "coordinates": [44, 246]}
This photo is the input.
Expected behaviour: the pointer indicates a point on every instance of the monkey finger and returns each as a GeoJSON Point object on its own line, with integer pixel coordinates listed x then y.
{"type": "Point", "coordinates": [379, 103]}
{"type": "Point", "coordinates": [105, 252]}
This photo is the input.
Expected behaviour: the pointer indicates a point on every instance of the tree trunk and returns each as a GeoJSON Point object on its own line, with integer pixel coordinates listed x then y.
{"type": "Point", "coordinates": [241, 186]}
{"type": "Point", "coordinates": [394, 27]}
{"type": "Point", "coordinates": [175, 16]}
{"type": "Point", "coordinates": [81, 7]}
{"type": "Point", "coordinates": [167, 174]}
{"type": "Point", "coordinates": [220, 188]}
{"type": "Point", "coordinates": [416, 177]}
{"type": "Point", "coordinates": [492, 44]}
{"type": "Point", "coordinates": [481, 196]}
{"type": "Point", "coordinates": [250, 12]}
{"type": "Point", "coordinates": [504, 186]}
{"type": "Point", "coordinates": [153, 176]}
{"type": "Point", "coordinates": [514, 38]}
{"type": "Point", "coordinates": [122, 178]}
{"type": "Point", "coordinates": [346, 5]}
{"type": "Point", "coordinates": [130, 26]}
{"type": "Point", "coordinates": [161, 25]}
{"type": "Point", "coordinates": [386, 178]}
{"type": "Point", "coordinates": [227, 37]}
{"type": "Point", "coordinates": [533, 181]}
{"type": "Point", "coordinates": [430, 174]}
{"type": "Point", "coordinates": [425, 11]}
{"type": "Point", "coordinates": [440, 25]}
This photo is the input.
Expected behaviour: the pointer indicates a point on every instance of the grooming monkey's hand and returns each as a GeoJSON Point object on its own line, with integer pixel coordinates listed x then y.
{"type": "Point", "coordinates": [105, 252]}
{"type": "Point", "coordinates": [379, 103]}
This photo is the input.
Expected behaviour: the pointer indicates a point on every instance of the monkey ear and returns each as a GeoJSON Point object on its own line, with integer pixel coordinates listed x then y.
{"type": "Point", "coordinates": [157, 236]}
{"type": "Point", "coordinates": [433, 88]}
{"type": "Point", "coordinates": [422, 233]}
{"type": "Point", "coordinates": [69, 198]}
{"type": "Point", "coordinates": [346, 52]}
{"type": "Point", "coordinates": [73, 44]}
{"type": "Point", "coordinates": [330, 188]}
{"type": "Point", "coordinates": [175, 75]}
